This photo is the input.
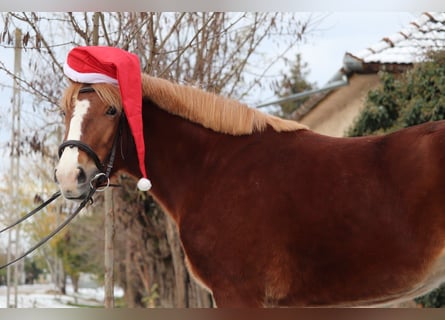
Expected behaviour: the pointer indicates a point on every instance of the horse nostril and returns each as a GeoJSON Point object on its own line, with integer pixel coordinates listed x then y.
{"type": "Point", "coordinates": [55, 176]}
{"type": "Point", "coordinates": [81, 177]}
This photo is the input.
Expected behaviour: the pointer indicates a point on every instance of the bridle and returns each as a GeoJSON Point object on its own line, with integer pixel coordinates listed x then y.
{"type": "Point", "coordinates": [99, 182]}
{"type": "Point", "coordinates": [104, 170]}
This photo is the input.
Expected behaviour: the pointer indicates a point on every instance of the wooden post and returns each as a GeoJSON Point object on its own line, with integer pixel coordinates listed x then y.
{"type": "Point", "coordinates": [12, 275]}
{"type": "Point", "coordinates": [96, 17]}
{"type": "Point", "coordinates": [109, 215]}
{"type": "Point", "coordinates": [109, 249]}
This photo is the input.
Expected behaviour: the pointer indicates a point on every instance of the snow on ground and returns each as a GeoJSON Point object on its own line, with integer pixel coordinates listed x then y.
{"type": "Point", "coordinates": [47, 296]}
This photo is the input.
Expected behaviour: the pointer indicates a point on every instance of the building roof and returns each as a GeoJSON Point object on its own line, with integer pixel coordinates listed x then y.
{"type": "Point", "coordinates": [408, 46]}
{"type": "Point", "coordinates": [395, 53]}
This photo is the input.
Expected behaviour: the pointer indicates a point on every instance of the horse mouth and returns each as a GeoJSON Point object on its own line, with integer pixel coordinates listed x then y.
{"type": "Point", "coordinates": [77, 199]}
{"type": "Point", "coordinates": [78, 195]}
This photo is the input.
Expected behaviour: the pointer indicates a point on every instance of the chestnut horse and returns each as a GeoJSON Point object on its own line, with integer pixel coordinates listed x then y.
{"type": "Point", "coordinates": [270, 213]}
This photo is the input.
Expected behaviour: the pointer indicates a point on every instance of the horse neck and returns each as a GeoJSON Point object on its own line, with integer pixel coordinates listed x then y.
{"type": "Point", "coordinates": [177, 152]}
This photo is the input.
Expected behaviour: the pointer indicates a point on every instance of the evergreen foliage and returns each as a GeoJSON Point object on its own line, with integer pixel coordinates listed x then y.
{"type": "Point", "coordinates": [412, 98]}
{"type": "Point", "coordinates": [435, 299]}
{"type": "Point", "coordinates": [32, 269]}
{"type": "Point", "coordinates": [79, 248]}
{"type": "Point", "coordinates": [415, 97]}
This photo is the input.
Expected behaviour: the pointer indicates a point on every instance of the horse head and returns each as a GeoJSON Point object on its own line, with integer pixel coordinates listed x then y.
{"type": "Point", "coordinates": [92, 114]}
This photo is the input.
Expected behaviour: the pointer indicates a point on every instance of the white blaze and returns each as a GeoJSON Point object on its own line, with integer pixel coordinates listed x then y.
{"type": "Point", "coordinates": [67, 168]}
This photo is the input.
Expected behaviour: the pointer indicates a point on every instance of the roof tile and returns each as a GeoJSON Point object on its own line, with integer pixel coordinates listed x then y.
{"type": "Point", "coordinates": [409, 45]}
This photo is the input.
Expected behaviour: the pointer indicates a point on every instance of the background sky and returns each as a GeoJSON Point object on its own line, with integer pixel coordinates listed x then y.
{"type": "Point", "coordinates": [331, 36]}
{"type": "Point", "coordinates": [342, 32]}
{"type": "Point", "coordinates": [334, 35]}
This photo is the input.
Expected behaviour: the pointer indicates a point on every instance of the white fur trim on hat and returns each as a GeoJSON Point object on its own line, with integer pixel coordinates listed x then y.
{"type": "Point", "coordinates": [87, 77]}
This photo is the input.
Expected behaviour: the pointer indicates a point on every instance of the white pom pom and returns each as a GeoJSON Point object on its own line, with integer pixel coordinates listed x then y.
{"type": "Point", "coordinates": [144, 184]}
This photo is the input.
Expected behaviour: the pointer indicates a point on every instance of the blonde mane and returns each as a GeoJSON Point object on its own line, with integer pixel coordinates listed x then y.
{"type": "Point", "coordinates": [109, 94]}
{"type": "Point", "coordinates": [210, 110]}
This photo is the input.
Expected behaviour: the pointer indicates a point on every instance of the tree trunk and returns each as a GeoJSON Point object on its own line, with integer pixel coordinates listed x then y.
{"type": "Point", "coordinates": [180, 272]}
{"type": "Point", "coordinates": [188, 293]}
{"type": "Point", "coordinates": [62, 285]}
{"type": "Point", "coordinates": [75, 281]}
{"type": "Point", "coordinates": [130, 295]}
{"type": "Point", "coordinates": [153, 269]}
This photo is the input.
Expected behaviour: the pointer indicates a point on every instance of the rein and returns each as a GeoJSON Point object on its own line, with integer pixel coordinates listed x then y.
{"type": "Point", "coordinates": [99, 182]}
{"type": "Point", "coordinates": [54, 232]}
{"type": "Point", "coordinates": [33, 212]}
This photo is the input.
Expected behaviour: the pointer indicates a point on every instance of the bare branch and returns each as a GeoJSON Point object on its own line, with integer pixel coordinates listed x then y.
{"type": "Point", "coordinates": [181, 51]}
{"type": "Point", "coordinates": [102, 20]}
{"type": "Point", "coordinates": [27, 86]}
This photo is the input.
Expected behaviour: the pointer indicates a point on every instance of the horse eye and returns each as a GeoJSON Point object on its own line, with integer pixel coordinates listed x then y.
{"type": "Point", "coordinates": [111, 111]}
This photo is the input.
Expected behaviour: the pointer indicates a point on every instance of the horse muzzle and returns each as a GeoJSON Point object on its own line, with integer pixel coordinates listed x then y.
{"type": "Point", "coordinates": [76, 179]}
{"type": "Point", "coordinates": [76, 183]}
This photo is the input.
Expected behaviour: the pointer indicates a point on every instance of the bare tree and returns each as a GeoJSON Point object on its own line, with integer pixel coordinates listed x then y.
{"type": "Point", "coordinates": [216, 51]}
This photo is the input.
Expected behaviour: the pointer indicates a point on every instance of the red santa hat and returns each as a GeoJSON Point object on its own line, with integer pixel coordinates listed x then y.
{"type": "Point", "coordinates": [97, 64]}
